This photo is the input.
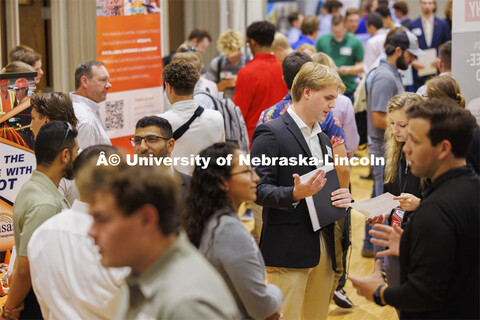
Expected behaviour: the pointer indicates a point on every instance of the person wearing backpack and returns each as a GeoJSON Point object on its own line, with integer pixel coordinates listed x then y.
{"type": "Point", "coordinates": [224, 68]}
{"type": "Point", "coordinates": [195, 128]}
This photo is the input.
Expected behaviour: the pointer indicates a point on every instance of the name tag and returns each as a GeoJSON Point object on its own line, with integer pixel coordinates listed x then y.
{"type": "Point", "coordinates": [346, 51]}
{"type": "Point", "coordinates": [329, 151]}
{"type": "Point", "coordinates": [417, 32]}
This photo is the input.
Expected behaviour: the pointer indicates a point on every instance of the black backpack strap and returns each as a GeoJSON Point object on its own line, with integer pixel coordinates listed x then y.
{"type": "Point", "coordinates": [219, 67]}
{"type": "Point", "coordinates": [177, 134]}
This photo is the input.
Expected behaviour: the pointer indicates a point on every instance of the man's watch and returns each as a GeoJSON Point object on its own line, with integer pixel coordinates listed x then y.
{"type": "Point", "coordinates": [376, 296]}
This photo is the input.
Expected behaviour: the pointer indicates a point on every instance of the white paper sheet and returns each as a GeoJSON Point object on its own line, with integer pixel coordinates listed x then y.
{"type": "Point", "coordinates": [373, 207]}
{"type": "Point", "coordinates": [426, 60]}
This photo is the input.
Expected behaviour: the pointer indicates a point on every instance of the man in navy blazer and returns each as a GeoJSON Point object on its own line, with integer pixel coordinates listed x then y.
{"type": "Point", "coordinates": [431, 33]}
{"type": "Point", "coordinates": [299, 261]}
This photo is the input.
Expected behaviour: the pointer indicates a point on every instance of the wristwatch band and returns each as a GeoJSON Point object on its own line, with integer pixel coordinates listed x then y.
{"type": "Point", "coordinates": [376, 296]}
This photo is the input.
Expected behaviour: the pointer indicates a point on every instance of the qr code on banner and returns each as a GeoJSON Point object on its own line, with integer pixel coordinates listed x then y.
{"type": "Point", "coordinates": [114, 115]}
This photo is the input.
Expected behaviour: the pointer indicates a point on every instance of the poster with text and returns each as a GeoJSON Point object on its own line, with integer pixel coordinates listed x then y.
{"type": "Point", "coordinates": [466, 48]}
{"type": "Point", "coordinates": [128, 42]}
{"type": "Point", "coordinates": [17, 159]}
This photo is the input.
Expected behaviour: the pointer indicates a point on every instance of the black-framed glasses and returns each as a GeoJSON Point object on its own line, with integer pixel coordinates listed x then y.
{"type": "Point", "coordinates": [151, 139]}
{"type": "Point", "coordinates": [252, 172]}
{"type": "Point", "coordinates": [69, 128]}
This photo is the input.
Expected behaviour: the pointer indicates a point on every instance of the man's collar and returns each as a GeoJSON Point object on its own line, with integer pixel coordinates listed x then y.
{"type": "Point", "coordinates": [450, 174]}
{"type": "Point", "coordinates": [148, 281]}
{"type": "Point", "coordinates": [301, 124]}
{"type": "Point", "coordinates": [89, 102]}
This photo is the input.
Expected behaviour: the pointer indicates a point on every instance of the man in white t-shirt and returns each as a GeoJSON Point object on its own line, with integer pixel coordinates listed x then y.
{"type": "Point", "coordinates": [180, 78]}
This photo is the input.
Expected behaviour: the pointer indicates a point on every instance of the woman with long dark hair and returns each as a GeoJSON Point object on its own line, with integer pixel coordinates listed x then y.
{"type": "Point", "coordinates": [212, 224]}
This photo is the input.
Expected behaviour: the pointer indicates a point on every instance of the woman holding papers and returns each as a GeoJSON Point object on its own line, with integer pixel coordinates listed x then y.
{"type": "Point", "coordinates": [398, 178]}
{"type": "Point", "coordinates": [212, 224]}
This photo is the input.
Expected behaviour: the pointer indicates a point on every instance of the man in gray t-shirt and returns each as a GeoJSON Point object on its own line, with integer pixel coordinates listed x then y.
{"type": "Point", "coordinates": [223, 71]}
{"type": "Point", "coordinates": [386, 83]}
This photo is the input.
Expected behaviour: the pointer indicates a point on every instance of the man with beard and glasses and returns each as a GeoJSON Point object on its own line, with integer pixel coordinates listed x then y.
{"type": "Point", "coordinates": [386, 83]}
{"type": "Point", "coordinates": [56, 148]}
{"type": "Point", "coordinates": [154, 136]}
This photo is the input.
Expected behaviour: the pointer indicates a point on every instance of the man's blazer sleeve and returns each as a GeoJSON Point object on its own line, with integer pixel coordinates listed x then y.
{"type": "Point", "coordinates": [269, 193]}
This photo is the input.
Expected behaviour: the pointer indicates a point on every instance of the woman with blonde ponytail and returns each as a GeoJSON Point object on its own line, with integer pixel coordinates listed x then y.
{"type": "Point", "coordinates": [445, 86]}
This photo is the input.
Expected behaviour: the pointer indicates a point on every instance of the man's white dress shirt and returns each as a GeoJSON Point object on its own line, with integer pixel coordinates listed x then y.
{"type": "Point", "coordinates": [90, 126]}
{"type": "Point", "coordinates": [67, 276]}
{"type": "Point", "coordinates": [310, 135]}
{"type": "Point", "coordinates": [427, 25]}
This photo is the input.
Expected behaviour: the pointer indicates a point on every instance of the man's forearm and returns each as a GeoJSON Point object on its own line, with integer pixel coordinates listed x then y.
{"type": "Point", "coordinates": [357, 68]}
{"type": "Point", "coordinates": [21, 284]}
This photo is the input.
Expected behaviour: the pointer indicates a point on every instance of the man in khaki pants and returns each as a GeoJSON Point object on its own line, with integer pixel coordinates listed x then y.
{"type": "Point", "coordinates": [299, 261]}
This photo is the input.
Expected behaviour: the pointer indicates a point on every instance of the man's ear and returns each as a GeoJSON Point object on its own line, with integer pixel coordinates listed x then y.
{"type": "Point", "coordinates": [398, 51]}
{"type": "Point", "coordinates": [439, 64]}
{"type": "Point", "coordinates": [46, 119]}
{"type": "Point", "coordinates": [307, 92]}
{"type": "Point", "coordinates": [168, 87]}
{"type": "Point", "coordinates": [170, 145]}
{"type": "Point", "coordinates": [148, 216]}
{"type": "Point", "coordinates": [445, 149]}
{"type": "Point", "coordinates": [84, 81]}
{"type": "Point", "coordinates": [65, 155]}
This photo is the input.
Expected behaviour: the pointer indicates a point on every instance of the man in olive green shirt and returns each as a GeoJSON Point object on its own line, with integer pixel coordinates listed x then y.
{"type": "Point", "coordinates": [55, 149]}
{"type": "Point", "coordinates": [346, 50]}
{"type": "Point", "coordinates": [134, 212]}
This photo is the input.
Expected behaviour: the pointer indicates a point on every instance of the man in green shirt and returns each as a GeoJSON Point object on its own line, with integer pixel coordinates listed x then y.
{"type": "Point", "coordinates": [134, 212]}
{"type": "Point", "coordinates": [55, 149]}
{"type": "Point", "coordinates": [346, 50]}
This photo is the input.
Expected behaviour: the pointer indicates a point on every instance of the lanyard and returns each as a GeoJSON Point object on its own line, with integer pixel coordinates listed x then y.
{"type": "Point", "coordinates": [402, 173]}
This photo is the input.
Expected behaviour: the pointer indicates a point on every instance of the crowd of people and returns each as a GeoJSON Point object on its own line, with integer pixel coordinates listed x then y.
{"type": "Point", "coordinates": [167, 242]}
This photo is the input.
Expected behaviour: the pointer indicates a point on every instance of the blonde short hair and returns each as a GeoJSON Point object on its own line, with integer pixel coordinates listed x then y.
{"type": "Point", "coordinates": [316, 77]}
{"type": "Point", "coordinates": [307, 47]}
{"type": "Point", "coordinates": [194, 58]}
{"type": "Point", "coordinates": [230, 42]}
{"type": "Point", "coordinates": [280, 41]}
{"type": "Point", "coordinates": [323, 58]}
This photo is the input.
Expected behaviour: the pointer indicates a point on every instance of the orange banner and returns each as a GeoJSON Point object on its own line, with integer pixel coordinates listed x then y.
{"type": "Point", "coordinates": [130, 48]}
